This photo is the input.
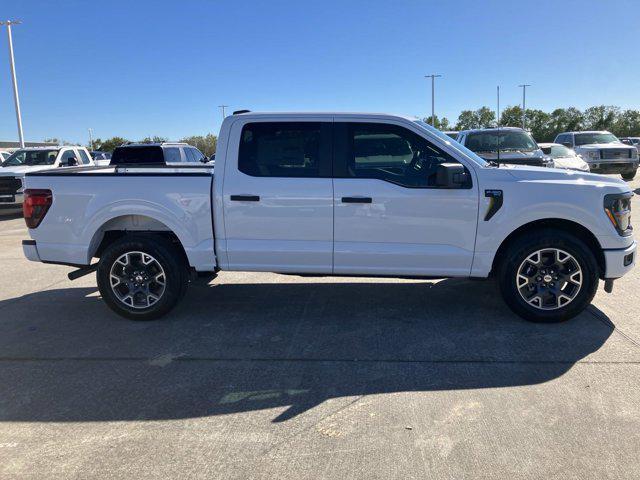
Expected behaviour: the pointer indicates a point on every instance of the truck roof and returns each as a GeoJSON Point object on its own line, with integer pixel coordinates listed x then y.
{"type": "Point", "coordinates": [325, 114]}
{"type": "Point", "coordinates": [153, 144]}
{"type": "Point", "coordinates": [492, 129]}
{"type": "Point", "coordinates": [585, 131]}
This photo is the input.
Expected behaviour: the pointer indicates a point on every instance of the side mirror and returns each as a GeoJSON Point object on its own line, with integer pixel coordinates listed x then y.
{"type": "Point", "coordinates": [567, 144]}
{"type": "Point", "coordinates": [72, 162]}
{"type": "Point", "coordinates": [451, 175]}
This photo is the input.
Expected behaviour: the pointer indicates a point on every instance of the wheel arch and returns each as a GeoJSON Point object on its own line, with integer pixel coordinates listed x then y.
{"type": "Point", "coordinates": [120, 226]}
{"type": "Point", "coordinates": [567, 226]}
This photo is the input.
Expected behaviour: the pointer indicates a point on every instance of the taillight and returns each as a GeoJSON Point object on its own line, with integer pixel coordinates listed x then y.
{"type": "Point", "coordinates": [35, 206]}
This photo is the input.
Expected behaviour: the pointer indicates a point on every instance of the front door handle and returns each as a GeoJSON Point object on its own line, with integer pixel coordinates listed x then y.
{"type": "Point", "coordinates": [245, 198]}
{"type": "Point", "coordinates": [356, 200]}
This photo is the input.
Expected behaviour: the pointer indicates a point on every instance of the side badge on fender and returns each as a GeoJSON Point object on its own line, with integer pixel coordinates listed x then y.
{"type": "Point", "coordinates": [495, 203]}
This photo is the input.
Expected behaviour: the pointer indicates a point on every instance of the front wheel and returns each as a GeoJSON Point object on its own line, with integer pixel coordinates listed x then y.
{"type": "Point", "coordinates": [629, 175]}
{"type": "Point", "coordinates": [142, 277]}
{"type": "Point", "coordinates": [549, 276]}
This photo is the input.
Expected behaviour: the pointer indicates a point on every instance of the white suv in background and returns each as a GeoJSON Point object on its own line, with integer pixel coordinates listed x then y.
{"type": "Point", "coordinates": [603, 152]}
{"type": "Point", "coordinates": [33, 159]}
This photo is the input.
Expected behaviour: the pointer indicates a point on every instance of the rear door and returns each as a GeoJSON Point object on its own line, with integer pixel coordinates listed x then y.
{"type": "Point", "coordinates": [390, 217]}
{"type": "Point", "coordinates": [278, 196]}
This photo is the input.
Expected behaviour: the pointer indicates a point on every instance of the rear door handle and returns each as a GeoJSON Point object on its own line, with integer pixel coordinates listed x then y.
{"type": "Point", "coordinates": [356, 200]}
{"type": "Point", "coordinates": [245, 198]}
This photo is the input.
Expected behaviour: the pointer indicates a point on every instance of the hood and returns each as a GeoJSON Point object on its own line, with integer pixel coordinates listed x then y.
{"type": "Point", "coordinates": [19, 171]}
{"type": "Point", "coordinates": [573, 163]}
{"type": "Point", "coordinates": [522, 172]}
{"type": "Point", "coordinates": [608, 146]}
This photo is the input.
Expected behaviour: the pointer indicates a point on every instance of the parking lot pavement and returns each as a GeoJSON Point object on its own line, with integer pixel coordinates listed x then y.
{"type": "Point", "coordinates": [274, 376]}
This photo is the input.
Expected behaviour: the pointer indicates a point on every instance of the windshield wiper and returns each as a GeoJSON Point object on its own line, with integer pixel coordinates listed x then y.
{"type": "Point", "coordinates": [492, 163]}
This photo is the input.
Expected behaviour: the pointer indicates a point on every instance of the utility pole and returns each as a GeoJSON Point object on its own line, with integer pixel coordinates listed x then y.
{"type": "Point", "coordinates": [498, 109]}
{"type": "Point", "coordinates": [524, 105]}
{"type": "Point", "coordinates": [91, 138]}
{"type": "Point", "coordinates": [433, 77]}
{"type": "Point", "coordinates": [16, 98]}
{"type": "Point", "coordinates": [223, 108]}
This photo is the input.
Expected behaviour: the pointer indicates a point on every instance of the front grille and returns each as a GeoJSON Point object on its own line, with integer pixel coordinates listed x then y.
{"type": "Point", "coordinates": [9, 185]}
{"type": "Point", "coordinates": [614, 154]}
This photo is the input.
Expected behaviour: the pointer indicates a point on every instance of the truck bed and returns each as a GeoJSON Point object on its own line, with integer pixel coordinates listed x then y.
{"type": "Point", "coordinates": [88, 202]}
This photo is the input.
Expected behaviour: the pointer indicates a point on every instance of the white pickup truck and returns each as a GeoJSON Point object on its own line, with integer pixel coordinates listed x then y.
{"type": "Point", "coordinates": [34, 159]}
{"type": "Point", "coordinates": [334, 194]}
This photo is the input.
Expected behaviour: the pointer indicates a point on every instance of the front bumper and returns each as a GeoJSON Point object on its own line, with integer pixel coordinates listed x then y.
{"type": "Point", "coordinates": [11, 202]}
{"type": "Point", "coordinates": [30, 250]}
{"type": "Point", "coordinates": [602, 166]}
{"type": "Point", "coordinates": [618, 262]}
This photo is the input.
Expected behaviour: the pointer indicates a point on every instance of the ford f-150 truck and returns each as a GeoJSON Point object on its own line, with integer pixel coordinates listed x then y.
{"type": "Point", "coordinates": [603, 152]}
{"type": "Point", "coordinates": [334, 194]}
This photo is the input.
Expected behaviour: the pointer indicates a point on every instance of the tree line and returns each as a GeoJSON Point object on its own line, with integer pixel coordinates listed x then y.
{"type": "Point", "coordinates": [544, 126]}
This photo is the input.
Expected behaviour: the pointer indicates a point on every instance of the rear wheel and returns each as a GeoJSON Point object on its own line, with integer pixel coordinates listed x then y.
{"type": "Point", "coordinates": [142, 277]}
{"type": "Point", "coordinates": [551, 276]}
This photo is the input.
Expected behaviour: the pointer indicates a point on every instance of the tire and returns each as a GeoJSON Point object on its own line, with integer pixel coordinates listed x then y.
{"type": "Point", "coordinates": [152, 260]}
{"type": "Point", "coordinates": [629, 175]}
{"type": "Point", "coordinates": [559, 295]}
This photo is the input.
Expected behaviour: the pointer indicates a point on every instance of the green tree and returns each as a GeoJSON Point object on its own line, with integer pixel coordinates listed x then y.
{"type": "Point", "coordinates": [539, 124]}
{"type": "Point", "coordinates": [565, 120]}
{"type": "Point", "coordinates": [154, 139]}
{"type": "Point", "coordinates": [109, 144]}
{"type": "Point", "coordinates": [440, 123]}
{"type": "Point", "coordinates": [511, 116]}
{"type": "Point", "coordinates": [602, 117]}
{"type": "Point", "coordinates": [627, 124]}
{"type": "Point", "coordinates": [486, 117]}
{"type": "Point", "coordinates": [205, 143]}
{"type": "Point", "coordinates": [481, 118]}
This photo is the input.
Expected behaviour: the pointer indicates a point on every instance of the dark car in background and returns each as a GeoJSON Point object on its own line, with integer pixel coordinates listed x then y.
{"type": "Point", "coordinates": [508, 145]}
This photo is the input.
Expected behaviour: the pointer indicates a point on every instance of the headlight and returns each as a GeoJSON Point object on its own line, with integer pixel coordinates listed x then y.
{"type": "Point", "coordinates": [634, 153]}
{"type": "Point", "coordinates": [593, 154]}
{"type": "Point", "coordinates": [617, 206]}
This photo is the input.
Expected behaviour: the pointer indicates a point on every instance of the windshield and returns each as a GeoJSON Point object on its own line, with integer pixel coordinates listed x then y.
{"type": "Point", "coordinates": [587, 138]}
{"type": "Point", "coordinates": [492, 140]}
{"type": "Point", "coordinates": [31, 157]}
{"type": "Point", "coordinates": [449, 141]}
{"type": "Point", "coordinates": [559, 151]}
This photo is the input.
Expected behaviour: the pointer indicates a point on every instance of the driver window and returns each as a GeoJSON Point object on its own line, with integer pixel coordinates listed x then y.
{"type": "Point", "coordinates": [394, 154]}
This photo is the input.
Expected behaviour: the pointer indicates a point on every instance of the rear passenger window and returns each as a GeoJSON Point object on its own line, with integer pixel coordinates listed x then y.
{"type": "Point", "coordinates": [392, 153]}
{"type": "Point", "coordinates": [285, 149]}
{"type": "Point", "coordinates": [84, 157]}
{"type": "Point", "coordinates": [172, 155]}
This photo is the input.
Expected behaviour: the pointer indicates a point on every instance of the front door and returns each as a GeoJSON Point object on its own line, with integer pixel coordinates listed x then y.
{"type": "Point", "coordinates": [390, 218]}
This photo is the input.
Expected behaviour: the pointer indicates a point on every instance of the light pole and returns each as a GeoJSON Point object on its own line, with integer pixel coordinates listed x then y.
{"type": "Point", "coordinates": [498, 108]}
{"type": "Point", "coordinates": [16, 98]}
{"type": "Point", "coordinates": [91, 138]}
{"type": "Point", "coordinates": [223, 108]}
{"type": "Point", "coordinates": [524, 99]}
{"type": "Point", "coordinates": [433, 77]}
